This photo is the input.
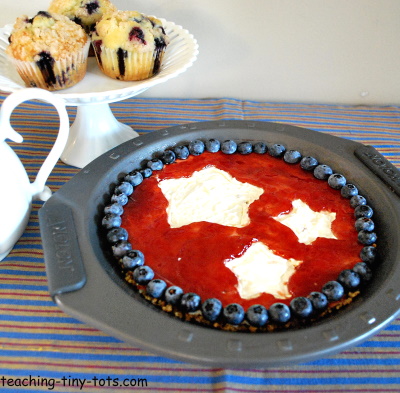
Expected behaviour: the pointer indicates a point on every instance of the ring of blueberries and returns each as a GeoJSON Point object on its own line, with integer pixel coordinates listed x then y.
{"type": "Point", "coordinates": [303, 307]}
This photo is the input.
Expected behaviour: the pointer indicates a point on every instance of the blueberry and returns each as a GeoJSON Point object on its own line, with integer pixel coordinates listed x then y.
{"type": "Point", "coordinates": [228, 147]}
{"type": "Point", "coordinates": [348, 191]}
{"type": "Point", "coordinates": [121, 248]}
{"type": "Point", "coordinates": [45, 63]}
{"type": "Point", "coordinates": [292, 156]}
{"type": "Point", "coordinates": [279, 312]}
{"type": "Point", "coordinates": [114, 208]}
{"type": "Point", "coordinates": [368, 254]}
{"type": "Point", "coordinates": [182, 152]}
{"type": "Point", "coordinates": [159, 44]}
{"type": "Point", "coordinates": [124, 188]}
{"type": "Point", "coordinates": [92, 7]}
{"type": "Point", "coordinates": [132, 259]}
{"type": "Point", "coordinates": [349, 279]}
{"type": "Point", "coordinates": [211, 309]}
{"type": "Point", "coordinates": [357, 200]}
{"type": "Point", "coordinates": [137, 34]}
{"type": "Point", "coordinates": [301, 307]}
{"type": "Point", "coordinates": [173, 295]}
{"type": "Point", "coordinates": [333, 290]}
{"type": "Point", "coordinates": [196, 147]}
{"type": "Point", "coordinates": [233, 313]}
{"type": "Point", "coordinates": [363, 211]}
{"type": "Point", "coordinates": [168, 157]}
{"type": "Point", "coordinates": [363, 270]}
{"type": "Point", "coordinates": [146, 172]}
{"type": "Point", "coordinates": [119, 197]}
{"type": "Point", "coordinates": [367, 238]}
{"type": "Point", "coordinates": [44, 13]}
{"type": "Point", "coordinates": [245, 148]}
{"type": "Point", "coordinates": [337, 181]}
{"type": "Point", "coordinates": [318, 300]}
{"type": "Point", "coordinates": [257, 315]}
{"type": "Point", "coordinates": [277, 150]}
{"type": "Point", "coordinates": [143, 274]}
{"type": "Point", "coordinates": [114, 235]}
{"type": "Point", "coordinates": [111, 221]}
{"type": "Point", "coordinates": [308, 163]}
{"type": "Point", "coordinates": [364, 224]}
{"type": "Point", "coordinates": [322, 172]}
{"type": "Point", "coordinates": [260, 148]}
{"type": "Point", "coordinates": [190, 302]}
{"type": "Point", "coordinates": [155, 164]}
{"type": "Point", "coordinates": [213, 145]}
{"type": "Point", "coordinates": [134, 177]}
{"type": "Point", "coordinates": [156, 288]}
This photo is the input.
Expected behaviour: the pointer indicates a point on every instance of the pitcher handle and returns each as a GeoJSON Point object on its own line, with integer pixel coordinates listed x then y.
{"type": "Point", "coordinates": [38, 187]}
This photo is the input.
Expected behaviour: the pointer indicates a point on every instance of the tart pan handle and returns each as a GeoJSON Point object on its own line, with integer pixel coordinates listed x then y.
{"type": "Point", "coordinates": [380, 166]}
{"type": "Point", "coordinates": [64, 265]}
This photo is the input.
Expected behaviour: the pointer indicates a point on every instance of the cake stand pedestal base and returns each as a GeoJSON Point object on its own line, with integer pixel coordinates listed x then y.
{"type": "Point", "coordinates": [94, 132]}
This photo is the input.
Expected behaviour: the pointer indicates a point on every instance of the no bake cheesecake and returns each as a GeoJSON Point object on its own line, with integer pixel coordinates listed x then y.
{"type": "Point", "coordinates": [241, 235]}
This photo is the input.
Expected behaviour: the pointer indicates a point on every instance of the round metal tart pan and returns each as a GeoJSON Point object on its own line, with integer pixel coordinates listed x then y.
{"type": "Point", "coordinates": [84, 283]}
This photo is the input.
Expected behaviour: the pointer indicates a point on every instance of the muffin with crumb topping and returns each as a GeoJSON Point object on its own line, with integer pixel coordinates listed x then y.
{"type": "Point", "coordinates": [129, 46]}
{"type": "Point", "coordinates": [49, 51]}
{"type": "Point", "coordinates": [83, 12]}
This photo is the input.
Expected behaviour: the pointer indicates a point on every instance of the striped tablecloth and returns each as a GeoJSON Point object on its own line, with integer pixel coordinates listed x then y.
{"type": "Point", "coordinates": [45, 349]}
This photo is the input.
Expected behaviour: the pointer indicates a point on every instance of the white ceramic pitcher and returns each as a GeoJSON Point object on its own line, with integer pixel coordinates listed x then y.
{"type": "Point", "coordinates": [16, 191]}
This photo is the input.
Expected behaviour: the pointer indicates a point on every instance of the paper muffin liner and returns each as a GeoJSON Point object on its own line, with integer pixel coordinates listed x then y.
{"type": "Point", "coordinates": [58, 75]}
{"type": "Point", "coordinates": [128, 65]}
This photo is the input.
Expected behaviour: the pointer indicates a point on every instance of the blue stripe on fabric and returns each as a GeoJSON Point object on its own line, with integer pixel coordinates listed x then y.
{"type": "Point", "coordinates": [29, 302]}
{"type": "Point", "coordinates": [316, 125]}
{"type": "Point", "coordinates": [191, 109]}
{"type": "Point", "coordinates": [379, 344]}
{"type": "Point", "coordinates": [31, 234]}
{"type": "Point", "coordinates": [34, 213]}
{"type": "Point", "coordinates": [319, 117]}
{"type": "Point", "coordinates": [109, 357]}
{"type": "Point", "coordinates": [46, 127]}
{"type": "Point", "coordinates": [23, 156]}
{"type": "Point", "coordinates": [31, 246]}
{"type": "Point", "coordinates": [321, 109]}
{"type": "Point", "coordinates": [31, 259]}
{"type": "Point", "coordinates": [30, 318]}
{"type": "Point", "coordinates": [22, 272]}
{"type": "Point", "coordinates": [42, 149]}
{"type": "Point", "coordinates": [48, 389]}
{"type": "Point", "coordinates": [337, 361]}
{"type": "Point", "coordinates": [58, 337]}
{"type": "Point", "coordinates": [24, 287]}
{"type": "Point", "coordinates": [393, 326]}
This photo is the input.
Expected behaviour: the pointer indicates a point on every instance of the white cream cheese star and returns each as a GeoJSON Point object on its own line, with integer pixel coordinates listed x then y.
{"type": "Point", "coordinates": [259, 271]}
{"type": "Point", "coordinates": [307, 224]}
{"type": "Point", "coordinates": [210, 195]}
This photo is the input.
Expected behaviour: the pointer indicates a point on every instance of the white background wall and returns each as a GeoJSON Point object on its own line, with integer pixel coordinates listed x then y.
{"type": "Point", "coordinates": [324, 51]}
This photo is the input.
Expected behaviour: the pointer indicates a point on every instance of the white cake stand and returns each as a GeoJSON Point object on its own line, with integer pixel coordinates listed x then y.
{"type": "Point", "coordinates": [95, 129]}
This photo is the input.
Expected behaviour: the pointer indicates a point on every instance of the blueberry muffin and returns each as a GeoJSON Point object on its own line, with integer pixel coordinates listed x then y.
{"type": "Point", "coordinates": [129, 46]}
{"type": "Point", "coordinates": [83, 12]}
{"type": "Point", "coordinates": [49, 51]}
